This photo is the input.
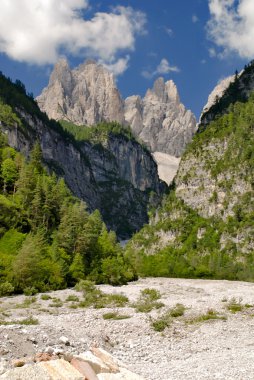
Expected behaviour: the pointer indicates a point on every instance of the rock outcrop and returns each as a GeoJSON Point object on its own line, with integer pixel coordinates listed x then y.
{"type": "Point", "coordinates": [96, 364]}
{"type": "Point", "coordinates": [86, 95]}
{"type": "Point", "coordinates": [160, 120]}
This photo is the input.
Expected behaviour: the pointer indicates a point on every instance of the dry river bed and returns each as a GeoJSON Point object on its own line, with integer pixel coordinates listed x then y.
{"type": "Point", "coordinates": [192, 346]}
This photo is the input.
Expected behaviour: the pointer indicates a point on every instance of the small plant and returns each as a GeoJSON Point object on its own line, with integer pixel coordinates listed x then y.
{"type": "Point", "coordinates": [147, 301]}
{"type": "Point", "coordinates": [6, 288]}
{"type": "Point", "coordinates": [151, 294]}
{"type": "Point", "coordinates": [177, 311]}
{"type": "Point", "coordinates": [235, 306]}
{"type": "Point", "coordinates": [27, 321]}
{"type": "Point", "coordinates": [46, 297]}
{"type": "Point", "coordinates": [30, 291]}
{"type": "Point", "coordinates": [72, 298]}
{"type": "Point", "coordinates": [224, 299]}
{"type": "Point", "coordinates": [56, 302]}
{"type": "Point", "coordinates": [115, 316]}
{"type": "Point", "coordinates": [85, 286]}
{"type": "Point", "coordinates": [210, 315]}
{"type": "Point", "coordinates": [73, 306]}
{"type": "Point", "coordinates": [166, 319]}
{"type": "Point", "coordinates": [26, 303]}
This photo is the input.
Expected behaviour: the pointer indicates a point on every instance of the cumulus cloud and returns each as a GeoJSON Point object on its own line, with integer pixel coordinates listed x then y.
{"type": "Point", "coordinates": [118, 67]}
{"type": "Point", "coordinates": [231, 26]}
{"type": "Point", "coordinates": [163, 68]}
{"type": "Point", "coordinates": [39, 31]}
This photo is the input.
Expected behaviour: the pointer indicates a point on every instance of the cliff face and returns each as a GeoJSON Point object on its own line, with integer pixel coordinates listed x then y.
{"type": "Point", "coordinates": [86, 95]}
{"type": "Point", "coordinates": [160, 120]}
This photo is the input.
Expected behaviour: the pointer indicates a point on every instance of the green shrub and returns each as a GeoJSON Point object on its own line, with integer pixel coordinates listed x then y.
{"type": "Point", "coordinates": [6, 288]}
{"type": "Point", "coordinates": [235, 306]}
{"type": "Point", "coordinates": [177, 311]}
{"type": "Point", "coordinates": [72, 298]}
{"type": "Point", "coordinates": [30, 291]}
{"type": "Point", "coordinates": [147, 301]}
{"type": "Point", "coordinates": [210, 315]}
{"type": "Point", "coordinates": [115, 316]}
{"type": "Point", "coordinates": [46, 297]}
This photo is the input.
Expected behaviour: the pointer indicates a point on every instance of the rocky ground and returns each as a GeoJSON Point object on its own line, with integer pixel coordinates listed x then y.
{"type": "Point", "coordinates": [213, 339]}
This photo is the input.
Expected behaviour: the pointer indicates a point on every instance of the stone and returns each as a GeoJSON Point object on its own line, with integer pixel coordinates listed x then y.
{"type": "Point", "coordinates": [84, 368]}
{"type": "Point", "coordinates": [64, 340]}
{"type": "Point", "coordinates": [60, 369]}
{"type": "Point", "coordinates": [124, 374]}
{"type": "Point", "coordinates": [18, 362]}
{"type": "Point", "coordinates": [49, 350]}
{"type": "Point", "coordinates": [106, 358]}
{"type": "Point", "coordinates": [95, 362]}
{"type": "Point", "coordinates": [44, 356]}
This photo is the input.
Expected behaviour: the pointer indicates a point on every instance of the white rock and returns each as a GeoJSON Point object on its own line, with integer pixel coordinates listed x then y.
{"type": "Point", "coordinates": [64, 340]}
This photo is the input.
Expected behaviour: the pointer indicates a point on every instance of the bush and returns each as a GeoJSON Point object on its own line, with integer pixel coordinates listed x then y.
{"type": "Point", "coordinates": [115, 316]}
{"type": "Point", "coordinates": [148, 301]}
{"type": "Point", "coordinates": [234, 306]}
{"type": "Point", "coordinates": [6, 288]}
{"type": "Point", "coordinates": [30, 291]}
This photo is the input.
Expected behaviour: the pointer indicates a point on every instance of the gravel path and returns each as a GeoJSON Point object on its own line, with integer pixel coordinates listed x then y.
{"type": "Point", "coordinates": [213, 349]}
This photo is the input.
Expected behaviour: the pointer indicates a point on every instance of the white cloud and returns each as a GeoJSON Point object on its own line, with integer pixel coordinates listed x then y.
{"type": "Point", "coordinates": [231, 26]}
{"type": "Point", "coordinates": [162, 69]}
{"type": "Point", "coordinates": [118, 67]}
{"type": "Point", "coordinates": [39, 31]}
{"type": "Point", "coordinates": [194, 19]}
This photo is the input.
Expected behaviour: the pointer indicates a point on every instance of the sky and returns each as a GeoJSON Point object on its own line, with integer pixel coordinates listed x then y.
{"type": "Point", "coordinates": [196, 43]}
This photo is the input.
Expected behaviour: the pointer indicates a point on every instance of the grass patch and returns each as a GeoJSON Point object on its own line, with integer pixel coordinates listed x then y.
{"type": "Point", "coordinates": [26, 321]}
{"type": "Point", "coordinates": [72, 298]}
{"type": "Point", "coordinates": [235, 306]}
{"type": "Point", "coordinates": [210, 315]}
{"type": "Point", "coordinates": [166, 319]}
{"type": "Point", "coordinates": [115, 316]}
{"type": "Point", "coordinates": [46, 297]}
{"type": "Point", "coordinates": [56, 302]}
{"type": "Point", "coordinates": [28, 301]}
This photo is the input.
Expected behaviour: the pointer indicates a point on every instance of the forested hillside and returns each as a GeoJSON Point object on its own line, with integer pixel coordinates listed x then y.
{"type": "Point", "coordinates": [48, 240]}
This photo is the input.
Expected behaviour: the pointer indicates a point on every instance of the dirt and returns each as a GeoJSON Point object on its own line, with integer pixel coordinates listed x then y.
{"type": "Point", "coordinates": [187, 349]}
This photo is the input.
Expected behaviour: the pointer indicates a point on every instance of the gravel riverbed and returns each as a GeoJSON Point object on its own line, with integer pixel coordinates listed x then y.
{"type": "Point", "coordinates": [189, 348]}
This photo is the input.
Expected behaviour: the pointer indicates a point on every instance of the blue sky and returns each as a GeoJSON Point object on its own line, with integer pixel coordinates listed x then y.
{"type": "Point", "coordinates": [194, 42]}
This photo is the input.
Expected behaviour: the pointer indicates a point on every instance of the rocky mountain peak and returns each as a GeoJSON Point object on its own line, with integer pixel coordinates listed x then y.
{"type": "Point", "coordinates": [160, 120]}
{"type": "Point", "coordinates": [84, 95]}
